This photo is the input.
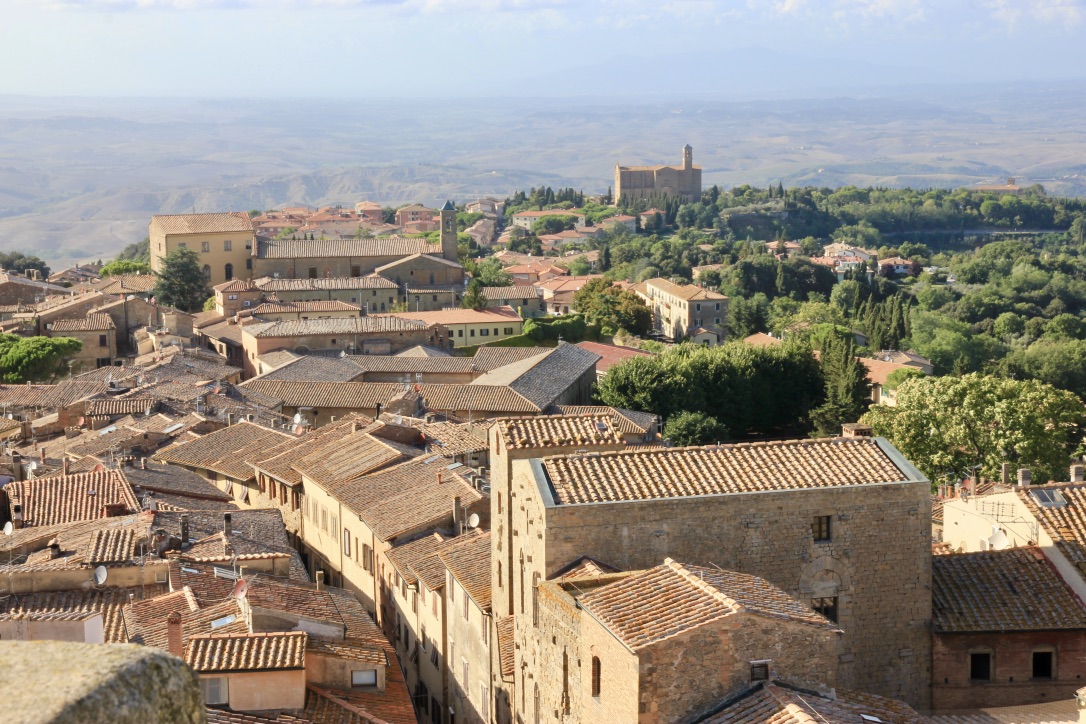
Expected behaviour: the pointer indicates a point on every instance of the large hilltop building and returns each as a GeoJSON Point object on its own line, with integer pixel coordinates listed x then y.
{"type": "Point", "coordinates": [643, 182]}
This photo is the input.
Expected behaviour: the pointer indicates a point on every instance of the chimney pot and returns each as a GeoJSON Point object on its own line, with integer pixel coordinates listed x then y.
{"type": "Point", "coordinates": [63, 466]}
{"type": "Point", "coordinates": [457, 516]}
{"type": "Point", "coordinates": [1005, 474]}
{"type": "Point", "coordinates": [226, 520]}
{"type": "Point", "coordinates": [229, 419]}
{"type": "Point", "coordinates": [184, 530]}
{"type": "Point", "coordinates": [320, 580]}
{"type": "Point", "coordinates": [1078, 473]}
{"type": "Point", "coordinates": [175, 643]}
{"type": "Point", "coordinates": [41, 454]}
{"type": "Point", "coordinates": [143, 463]}
{"type": "Point", "coordinates": [1023, 477]}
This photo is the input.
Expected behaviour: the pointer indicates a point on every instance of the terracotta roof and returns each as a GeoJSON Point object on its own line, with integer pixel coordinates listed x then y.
{"type": "Point", "coordinates": [325, 248]}
{"type": "Point", "coordinates": [352, 456]}
{"type": "Point", "coordinates": [688, 292]}
{"type": "Point", "coordinates": [120, 406]}
{"type": "Point", "coordinates": [610, 355]}
{"type": "Point", "coordinates": [146, 620]}
{"type": "Point", "coordinates": [71, 498]}
{"type": "Point", "coordinates": [109, 602]}
{"type": "Point", "coordinates": [490, 315]}
{"type": "Point", "coordinates": [90, 323]}
{"type": "Point", "coordinates": [403, 557]}
{"type": "Point", "coordinates": [1016, 589]}
{"type": "Point", "coordinates": [269, 284]}
{"type": "Point", "coordinates": [323, 395]}
{"type": "Point", "coordinates": [544, 378]}
{"type": "Point", "coordinates": [405, 497]}
{"type": "Point", "coordinates": [647, 607]}
{"type": "Point", "coordinates": [126, 283]}
{"type": "Point", "coordinates": [235, 285]}
{"type": "Point", "coordinates": [512, 294]}
{"type": "Point", "coordinates": [543, 431]}
{"type": "Point", "coordinates": [475, 398]}
{"type": "Point", "coordinates": [279, 461]}
{"type": "Point", "coordinates": [111, 545]}
{"type": "Point", "coordinates": [429, 256]}
{"type": "Point", "coordinates": [719, 470]}
{"type": "Point", "coordinates": [779, 704]}
{"type": "Point", "coordinates": [247, 652]}
{"type": "Point", "coordinates": [627, 421]}
{"type": "Point", "coordinates": [878, 370]}
{"type": "Point", "coordinates": [452, 439]}
{"type": "Point", "coordinates": [488, 358]}
{"type": "Point", "coordinates": [327, 305]}
{"type": "Point", "coordinates": [1067, 524]}
{"type": "Point", "coordinates": [583, 567]}
{"type": "Point", "coordinates": [227, 451]}
{"type": "Point", "coordinates": [225, 716]}
{"type": "Point", "coordinates": [507, 655]}
{"type": "Point", "coordinates": [201, 223]}
{"type": "Point", "coordinates": [470, 566]}
{"type": "Point", "coordinates": [372, 324]}
{"type": "Point", "coordinates": [430, 569]}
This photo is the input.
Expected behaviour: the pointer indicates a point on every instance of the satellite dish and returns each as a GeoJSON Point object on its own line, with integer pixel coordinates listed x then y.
{"type": "Point", "coordinates": [998, 541]}
{"type": "Point", "coordinates": [8, 527]}
{"type": "Point", "coordinates": [473, 520]}
{"type": "Point", "coordinates": [298, 419]}
{"type": "Point", "coordinates": [240, 589]}
{"type": "Point", "coordinates": [100, 575]}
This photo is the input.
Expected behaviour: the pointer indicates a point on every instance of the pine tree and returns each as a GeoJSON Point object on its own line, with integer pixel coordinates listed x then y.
{"type": "Point", "coordinates": [181, 283]}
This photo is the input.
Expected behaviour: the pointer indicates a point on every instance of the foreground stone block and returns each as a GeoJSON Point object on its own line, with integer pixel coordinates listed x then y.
{"type": "Point", "coordinates": [69, 683]}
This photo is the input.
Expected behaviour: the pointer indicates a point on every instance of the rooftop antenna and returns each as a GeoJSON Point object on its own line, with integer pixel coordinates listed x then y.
{"type": "Point", "coordinates": [473, 520]}
{"type": "Point", "coordinates": [101, 573]}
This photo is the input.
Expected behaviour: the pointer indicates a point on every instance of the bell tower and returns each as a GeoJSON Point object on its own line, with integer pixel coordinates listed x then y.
{"type": "Point", "coordinates": [448, 231]}
{"type": "Point", "coordinates": [688, 157]}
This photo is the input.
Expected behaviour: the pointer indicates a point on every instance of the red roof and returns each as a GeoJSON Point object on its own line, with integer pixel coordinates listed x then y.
{"type": "Point", "coordinates": [610, 354]}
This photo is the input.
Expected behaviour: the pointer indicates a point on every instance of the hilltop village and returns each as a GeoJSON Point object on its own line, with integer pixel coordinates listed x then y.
{"type": "Point", "coordinates": [375, 471]}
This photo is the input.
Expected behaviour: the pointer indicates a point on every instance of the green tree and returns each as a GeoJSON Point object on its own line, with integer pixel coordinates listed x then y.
{"type": "Point", "coordinates": [611, 308]}
{"type": "Point", "coordinates": [694, 428]}
{"type": "Point", "coordinates": [117, 267]}
{"type": "Point", "coordinates": [140, 251]}
{"type": "Point", "coordinates": [35, 359]}
{"type": "Point", "coordinates": [848, 391]}
{"type": "Point", "coordinates": [1008, 325]}
{"type": "Point", "coordinates": [20, 262]}
{"type": "Point", "coordinates": [181, 283]}
{"type": "Point", "coordinates": [473, 297]}
{"type": "Point", "coordinates": [752, 391]}
{"type": "Point", "coordinates": [580, 266]}
{"type": "Point", "coordinates": [949, 425]}
{"type": "Point", "coordinates": [490, 273]}
{"type": "Point", "coordinates": [209, 304]}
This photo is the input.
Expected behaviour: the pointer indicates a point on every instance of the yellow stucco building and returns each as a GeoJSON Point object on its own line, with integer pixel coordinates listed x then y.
{"type": "Point", "coordinates": [223, 242]}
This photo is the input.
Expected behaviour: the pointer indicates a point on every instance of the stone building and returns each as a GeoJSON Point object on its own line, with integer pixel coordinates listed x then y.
{"type": "Point", "coordinates": [685, 310]}
{"type": "Point", "coordinates": [665, 644]}
{"type": "Point", "coordinates": [642, 182]}
{"type": "Point", "coordinates": [98, 335]}
{"type": "Point", "coordinates": [841, 524]}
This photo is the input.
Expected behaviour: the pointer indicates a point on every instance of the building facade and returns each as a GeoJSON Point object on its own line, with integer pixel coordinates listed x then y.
{"type": "Point", "coordinates": [642, 182]}
{"type": "Point", "coordinates": [224, 242]}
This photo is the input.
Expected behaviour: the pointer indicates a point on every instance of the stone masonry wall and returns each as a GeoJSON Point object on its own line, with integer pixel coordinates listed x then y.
{"type": "Point", "coordinates": [878, 563]}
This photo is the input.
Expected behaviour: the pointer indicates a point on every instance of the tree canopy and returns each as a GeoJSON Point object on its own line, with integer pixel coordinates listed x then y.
{"type": "Point", "coordinates": [117, 267]}
{"type": "Point", "coordinates": [611, 308]}
{"type": "Point", "coordinates": [20, 262]}
{"type": "Point", "coordinates": [752, 391]}
{"type": "Point", "coordinates": [181, 282]}
{"type": "Point", "coordinates": [35, 359]}
{"type": "Point", "coordinates": [947, 425]}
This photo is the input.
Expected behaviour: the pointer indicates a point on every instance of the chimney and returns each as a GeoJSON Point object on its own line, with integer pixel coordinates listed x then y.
{"type": "Point", "coordinates": [175, 643]}
{"type": "Point", "coordinates": [439, 481]}
{"type": "Point", "coordinates": [17, 466]}
{"type": "Point", "coordinates": [226, 520]}
{"type": "Point", "coordinates": [17, 516]}
{"type": "Point", "coordinates": [185, 531]}
{"type": "Point", "coordinates": [320, 580]}
{"type": "Point", "coordinates": [143, 463]}
{"type": "Point", "coordinates": [41, 454]}
{"type": "Point", "coordinates": [54, 549]}
{"type": "Point", "coordinates": [229, 419]}
{"type": "Point", "coordinates": [1023, 477]}
{"type": "Point", "coordinates": [457, 522]}
{"type": "Point", "coordinates": [63, 465]}
{"type": "Point", "coordinates": [1005, 474]}
{"type": "Point", "coordinates": [1078, 473]}
{"type": "Point", "coordinates": [378, 415]}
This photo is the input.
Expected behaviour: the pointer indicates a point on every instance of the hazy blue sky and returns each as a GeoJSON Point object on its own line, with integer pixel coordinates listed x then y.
{"type": "Point", "coordinates": [360, 48]}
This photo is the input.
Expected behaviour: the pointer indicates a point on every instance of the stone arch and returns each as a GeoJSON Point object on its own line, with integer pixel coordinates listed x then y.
{"type": "Point", "coordinates": [825, 576]}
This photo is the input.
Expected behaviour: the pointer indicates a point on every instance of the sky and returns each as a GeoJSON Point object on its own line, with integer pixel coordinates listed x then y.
{"type": "Point", "coordinates": [494, 48]}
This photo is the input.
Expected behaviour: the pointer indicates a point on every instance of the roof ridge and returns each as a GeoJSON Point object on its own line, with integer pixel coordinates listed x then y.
{"type": "Point", "coordinates": [707, 588]}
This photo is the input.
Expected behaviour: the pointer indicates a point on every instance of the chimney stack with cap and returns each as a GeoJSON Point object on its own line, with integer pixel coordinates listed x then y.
{"type": "Point", "coordinates": [41, 454]}
{"type": "Point", "coordinates": [143, 463]}
{"type": "Point", "coordinates": [320, 580]}
{"type": "Point", "coordinates": [457, 515]}
{"type": "Point", "coordinates": [226, 523]}
{"type": "Point", "coordinates": [64, 466]}
{"type": "Point", "coordinates": [184, 531]}
{"type": "Point", "coordinates": [17, 466]}
{"type": "Point", "coordinates": [174, 641]}
{"type": "Point", "coordinates": [1023, 477]}
{"type": "Point", "coordinates": [1078, 473]}
{"type": "Point", "coordinates": [1005, 474]}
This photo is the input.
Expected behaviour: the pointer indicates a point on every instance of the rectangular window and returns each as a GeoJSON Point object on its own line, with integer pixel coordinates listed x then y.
{"type": "Point", "coordinates": [759, 671]}
{"type": "Point", "coordinates": [346, 542]}
{"type": "Point", "coordinates": [820, 528]}
{"type": "Point", "coordinates": [484, 332]}
{"type": "Point", "coordinates": [459, 333]}
{"type": "Point", "coordinates": [467, 606]}
{"type": "Point", "coordinates": [356, 549]}
{"type": "Point", "coordinates": [471, 333]}
{"type": "Point", "coordinates": [215, 690]}
{"type": "Point", "coordinates": [364, 677]}
{"type": "Point", "coordinates": [356, 271]}
{"type": "Point", "coordinates": [464, 664]}
{"type": "Point", "coordinates": [508, 330]}
{"type": "Point", "coordinates": [980, 667]}
{"type": "Point", "coordinates": [232, 297]}
{"type": "Point", "coordinates": [1042, 664]}
{"type": "Point", "coordinates": [484, 701]}
{"type": "Point", "coordinates": [312, 272]}
{"type": "Point", "coordinates": [248, 263]}
{"type": "Point", "coordinates": [227, 245]}
{"type": "Point", "coordinates": [182, 244]}
{"type": "Point", "coordinates": [414, 602]}
{"type": "Point", "coordinates": [697, 307]}
{"type": "Point", "coordinates": [103, 340]}
{"type": "Point", "coordinates": [826, 606]}
{"type": "Point", "coordinates": [205, 246]}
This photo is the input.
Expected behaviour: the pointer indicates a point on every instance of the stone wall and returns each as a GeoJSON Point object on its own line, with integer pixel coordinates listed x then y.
{"type": "Point", "coordinates": [878, 563]}
{"type": "Point", "coordinates": [121, 684]}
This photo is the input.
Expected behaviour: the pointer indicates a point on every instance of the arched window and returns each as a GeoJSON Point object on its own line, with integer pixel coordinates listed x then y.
{"type": "Point", "coordinates": [596, 676]}
{"type": "Point", "coordinates": [207, 271]}
{"type": "Point", "coordinates": [229, 271]}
